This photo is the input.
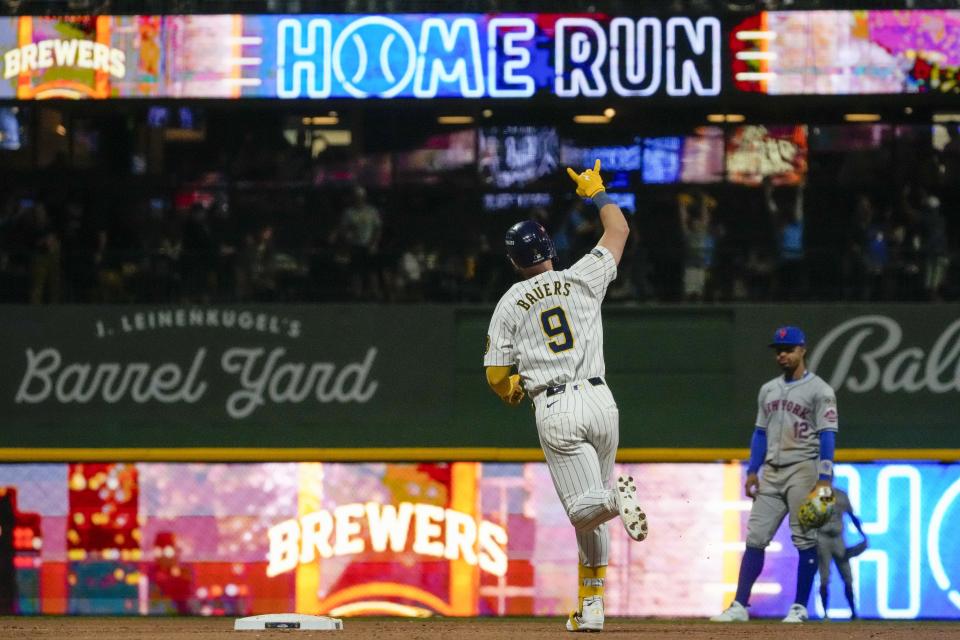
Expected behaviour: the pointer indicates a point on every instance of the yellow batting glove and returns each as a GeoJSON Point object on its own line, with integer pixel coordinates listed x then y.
{"type": "Point", "coordinates": [589, 183]}
{"type": "Point", "coordinates": [515, 395]}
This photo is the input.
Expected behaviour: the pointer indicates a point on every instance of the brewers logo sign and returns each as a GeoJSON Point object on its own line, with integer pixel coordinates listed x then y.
{"type": "Point", "coordinates": [64, 58]}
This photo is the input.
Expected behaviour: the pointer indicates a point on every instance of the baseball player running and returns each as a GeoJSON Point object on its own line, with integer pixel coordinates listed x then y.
{"type": "Point", "coordinates": [793, 442]}
{"type": "Point", "coordinates": [548, 326]}
{"type": "Point", "coordinates": [832, 549]}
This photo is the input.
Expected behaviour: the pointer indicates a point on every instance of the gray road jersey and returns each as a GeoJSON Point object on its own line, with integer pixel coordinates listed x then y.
{"type": "Point", "coordinates": [549, 326]}
{"type": "Point", "coordinates": [834, 526]}
{"type": "Point", "coordinates": [794, 414]}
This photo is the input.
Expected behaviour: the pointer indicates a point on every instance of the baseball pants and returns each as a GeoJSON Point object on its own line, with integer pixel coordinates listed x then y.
{"type": "Point", "coordinates": [782, 491]}
{"type": "Point", "coordinates": [579, 431]}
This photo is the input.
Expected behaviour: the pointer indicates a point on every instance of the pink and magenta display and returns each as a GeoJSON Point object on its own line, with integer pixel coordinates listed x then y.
{"type": "Point", "coordinates": [459, 539]}
{"type": "Point", "coordinates": [848, 52]}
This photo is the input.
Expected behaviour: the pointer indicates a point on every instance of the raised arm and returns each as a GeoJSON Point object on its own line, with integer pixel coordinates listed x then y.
{"type": "Point", "coordinates": [615, 227]}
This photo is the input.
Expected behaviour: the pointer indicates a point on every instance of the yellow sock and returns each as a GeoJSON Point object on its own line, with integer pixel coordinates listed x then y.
{"type": "Point", "coordinates": [590, 582]}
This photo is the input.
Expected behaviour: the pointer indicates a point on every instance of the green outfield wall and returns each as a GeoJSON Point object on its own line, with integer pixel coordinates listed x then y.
{"type": "Point", "coordinates": [330, 378]}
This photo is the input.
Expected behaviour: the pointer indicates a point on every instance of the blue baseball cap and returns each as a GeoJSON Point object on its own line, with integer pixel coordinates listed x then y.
{"type": "Point", "coordinates": [788, 336]}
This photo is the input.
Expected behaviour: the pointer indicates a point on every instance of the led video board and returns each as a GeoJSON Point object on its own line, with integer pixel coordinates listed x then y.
{"type": "Point", "coordinates": [697, 158]}
{"type": "Point", "coordinates": [359, 56]}
{"type": "Point", "coordinates": [756, 153]}
{"type": "Point", "coordinates": [460, 539]}
{"type": "Point", "coordinates": [495, 55]}
{"type": "Point", "coordinates": [517, 156]}
{"type": "Point", "coordinates": [848, 52]}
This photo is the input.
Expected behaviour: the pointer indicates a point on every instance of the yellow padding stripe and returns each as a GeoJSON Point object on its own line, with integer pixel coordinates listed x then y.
{"type": "Point", "coordinates": [420, 454]}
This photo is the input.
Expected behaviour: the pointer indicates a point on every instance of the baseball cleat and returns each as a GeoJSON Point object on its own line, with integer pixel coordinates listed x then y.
{"type": "Point", "coordinates": [589, 618]}
{"type": "Point", "coordinates": [736, 612]}
{"type": "Point", "coordinates": [633, 518]}
{"type": "Point", "coordinates": [798, 613]}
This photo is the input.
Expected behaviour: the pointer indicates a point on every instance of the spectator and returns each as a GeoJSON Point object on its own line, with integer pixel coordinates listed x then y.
{"type": "Point", "coordinates": [199, 255]}
{"type": "Point", "coordinates": [80, 245]}
{"type": "Point", "coordinates": [902, 269]}
{"type": "Point", "coordinates": [227, 241]}
{"type": "Point", "coordinates": [45, 265]}
{"type": "Point", "coordinates": [164, 248]}
{"type": "Point", "coordinates": [698, 243]}
{"type": "Point", "coordinates": [641, 267]}
{"type": "Point", "coordinates": [261, 261]}
{"type": "Point", "coordinates": [937, 259]}
{"type": "Point", "coordinates": [413, 266]}
{"type": "Point", "coordinates": [876, 259]}
{"type": "Point", "coordinates": [790, 280]}
{"type": "Point", "coordinates": [121, 257]}
{"type": "Point", "coordinates": [907, 254]}
{"type": "Point", "coordinates": [360, 227]}
{"type": "Point", "coordinates": [758, 274]}
{"type": "Point", "coordinates": [723, 263]}
{"type": "Point", "coordinates": [854, 260]}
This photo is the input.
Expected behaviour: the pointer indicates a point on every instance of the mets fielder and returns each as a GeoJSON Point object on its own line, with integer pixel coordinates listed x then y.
{"type": "Point", "coordinates": [832, 549]}
{"type": "Point", "coordinates": [548, 326]}
{"type": "Point", "coordinates": [793, 443]}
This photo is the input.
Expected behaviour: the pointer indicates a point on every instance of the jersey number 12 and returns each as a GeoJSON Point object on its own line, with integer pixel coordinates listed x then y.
{"type": "Point", "coordinates": [557, 329]}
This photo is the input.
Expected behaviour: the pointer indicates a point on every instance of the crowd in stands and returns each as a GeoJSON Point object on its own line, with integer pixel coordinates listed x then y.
{"type": "Point", "coordinates": [280, 214]}
{"type": "Point", "coordinates": [694, 245]}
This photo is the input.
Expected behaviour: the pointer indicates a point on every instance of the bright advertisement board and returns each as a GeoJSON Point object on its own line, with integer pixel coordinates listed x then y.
{"type": "Point", "coordinates": [460, 539]}
{"type": "Point", "coordinates": [848, 52]}
{"type": "Point", "coordinates": [359, 56]}
{"type": "Point", "coordinates": [510, 55]}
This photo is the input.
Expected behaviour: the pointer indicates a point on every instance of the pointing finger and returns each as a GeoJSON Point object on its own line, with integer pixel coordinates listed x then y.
{"type": "Point", "coordinates": [596, 166]}
{"type": "Point", "coordinates": [572, 174]}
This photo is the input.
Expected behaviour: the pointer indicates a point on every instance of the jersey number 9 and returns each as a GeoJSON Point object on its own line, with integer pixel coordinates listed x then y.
{"type": "Point", "coordinates": [555, 326]}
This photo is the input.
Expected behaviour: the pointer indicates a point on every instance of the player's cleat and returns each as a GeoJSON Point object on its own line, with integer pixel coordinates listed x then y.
{"type": "Point", "coordinates": [633, 518]}
{"type": "Point", "coordinates": [736, 612]}
{"type": "Point", "coordinates": [589, 618]}
{"type": "Point", "coordinates": [798, 613]}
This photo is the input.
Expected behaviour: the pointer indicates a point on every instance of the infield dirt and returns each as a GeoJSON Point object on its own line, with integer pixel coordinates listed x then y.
{"type": "Point", "coordinates": [98, 628]}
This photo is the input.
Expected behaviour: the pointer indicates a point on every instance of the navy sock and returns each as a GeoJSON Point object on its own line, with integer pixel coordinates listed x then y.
{"type": "Point", "coordinates": [806, 569]}
{"type": "Point", "coordinates": [750, 567]}
{"type": "Point", "coordinates": [824, 596]}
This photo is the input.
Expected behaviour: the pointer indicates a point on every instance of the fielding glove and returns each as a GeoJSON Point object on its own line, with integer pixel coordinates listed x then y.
{"type": "Point", "coordinates": [817, 508]}
{"type": "Point", "coordinates": [589, 183]}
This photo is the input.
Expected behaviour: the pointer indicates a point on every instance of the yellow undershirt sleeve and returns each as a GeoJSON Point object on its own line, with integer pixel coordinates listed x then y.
{"type": "Point", "coordinates": [499, 380]}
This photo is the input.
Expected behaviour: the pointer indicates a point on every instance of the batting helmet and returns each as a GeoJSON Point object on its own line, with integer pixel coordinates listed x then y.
{"type": "Point", "coordinates": [528, 244]}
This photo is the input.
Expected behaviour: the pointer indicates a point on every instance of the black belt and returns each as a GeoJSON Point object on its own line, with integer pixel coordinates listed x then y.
{"type": "Point", "coordinates": [560, 388]}
{"type": "Point", "coordinates": [789, 464]}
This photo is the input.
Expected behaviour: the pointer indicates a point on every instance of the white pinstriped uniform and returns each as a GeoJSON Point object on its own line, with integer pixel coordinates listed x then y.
{"type": "Point", "coordinates": [549, 326]}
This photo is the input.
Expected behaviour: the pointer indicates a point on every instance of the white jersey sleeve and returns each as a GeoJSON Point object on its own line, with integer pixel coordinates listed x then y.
{"type": "Point", "coordinates": [598, 269]}
{"type": "Point", "coordinates": [500, 349]}
{"type": "Point", "coordinates": [761, 421]}
{"type": "Point", "coordinates": [826, 409]}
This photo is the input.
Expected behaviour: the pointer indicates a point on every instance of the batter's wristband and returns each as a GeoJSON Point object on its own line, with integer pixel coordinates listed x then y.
{"type": "Point", "coordinates": [601, 199]}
